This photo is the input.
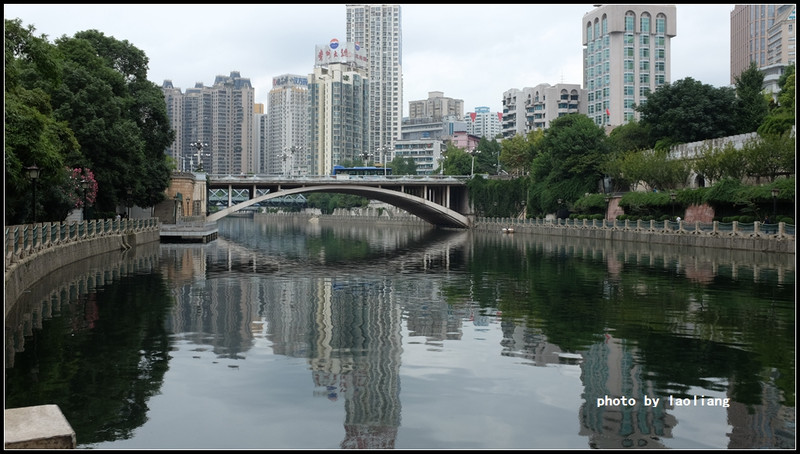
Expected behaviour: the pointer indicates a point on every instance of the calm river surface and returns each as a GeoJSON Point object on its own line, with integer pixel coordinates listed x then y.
{"type": "Point", "coordinates": [288, 334]}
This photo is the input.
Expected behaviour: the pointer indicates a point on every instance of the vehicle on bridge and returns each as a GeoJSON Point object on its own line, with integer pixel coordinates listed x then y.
{"type": "Point", "coordinates": [360, 171]}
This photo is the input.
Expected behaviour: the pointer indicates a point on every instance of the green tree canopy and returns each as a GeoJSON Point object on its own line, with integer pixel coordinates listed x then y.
{"type": "Point", "coordinates": [781, 118]}
{"type": "Point", "coordinates": [456, 161]}
{"type": "Point", "coordinates": [33, 136]}
{"type": "Point", "coordinates": [403, 166]}
{"type": "Point", "coordinates": [688, 111]}
{"type": "Point", "coordinates": [83, 102]}
{"type": "Point", "coordinates": [751, 106]}
{"type": "Point", "coordinates": [569, 164]}
{"type": "Point", "coordinates": [517, 152]}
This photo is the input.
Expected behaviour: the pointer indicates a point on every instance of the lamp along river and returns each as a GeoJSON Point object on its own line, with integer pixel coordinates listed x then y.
{"type": "Point", "coordinates": [288, 334]}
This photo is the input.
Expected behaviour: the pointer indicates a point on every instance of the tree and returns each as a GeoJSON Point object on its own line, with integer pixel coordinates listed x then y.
{"type": "Point", "coordinates": [403, 166]}
{"type": "Point", "coordinates": [488, 160]}
{"type": "Point", "coordinates": [517, 152]}
{"type": "Point", "coordinates": [33, 136]}
{"type": "Point", "coordinates": [688, 111]}
{"type": "Point", "coordinates": [769, 156]}
{"type": "Point", "coordinates": [119, 117]}
{"type": "Point", "coordinates": [630, 136]}
{"type": "Point", "coordinates": [569, 164]}
{"type": "Point", "coordinates": [751, 106]}
{"type": "Point", "coordinates": [781, 118]}
{"type": "Point", "coordinates": [456, 161]}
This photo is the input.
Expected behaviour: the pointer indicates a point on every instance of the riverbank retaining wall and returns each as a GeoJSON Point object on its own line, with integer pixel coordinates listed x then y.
{"type": "Point", "coordinates": [31, 263]}
{"type": "Point", "coordinates": [756, 237]}
{"type": "Point", "coordinates": [31, 254]}
{"type": "Point", "coordinates": [747, 240]}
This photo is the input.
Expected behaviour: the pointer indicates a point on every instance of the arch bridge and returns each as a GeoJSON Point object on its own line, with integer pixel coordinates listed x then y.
{"type": "Point", "coordinates": [440, 200]}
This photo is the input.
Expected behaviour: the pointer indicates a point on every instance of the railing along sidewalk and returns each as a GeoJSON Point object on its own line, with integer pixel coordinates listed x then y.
{"type": "Point", "coordinates": [715, 228]}
{"type": "Point", "coordinates": [24, 240]}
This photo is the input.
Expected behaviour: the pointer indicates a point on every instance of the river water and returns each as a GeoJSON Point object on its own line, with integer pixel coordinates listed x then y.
{"type": "Point", "coordinates": [290, 334]}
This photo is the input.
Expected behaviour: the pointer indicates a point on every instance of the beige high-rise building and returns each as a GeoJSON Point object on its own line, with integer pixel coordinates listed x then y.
{"type": "Point", "coordinates": [753, 34]}
{"type": "Point", "coordinates": [436, 107]}
{"type": "Point", "coordinates": [221, 118]}
{"type": "Point", "coordinates": [378, 28]}
{"type": "Point", "coordinates": [286, 151]}
{"type": "Point", "coordinates": [338, 107]}
{"type": "Point", "coordinates": [626, 54]}
{"type": "Point", "coordinates": [535, 107]}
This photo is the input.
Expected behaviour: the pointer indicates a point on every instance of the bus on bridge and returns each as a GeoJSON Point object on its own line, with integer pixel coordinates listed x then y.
{"type": "Point", "coordinates": [364, 170]}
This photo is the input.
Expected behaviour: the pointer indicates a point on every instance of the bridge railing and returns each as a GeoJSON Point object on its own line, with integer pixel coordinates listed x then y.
{"type": "Point", "coordinates": [24, 240]}
{"type": "Point", "coordinates": [715, 228]}
{"type": "Point", "coordinates": [303, 178]}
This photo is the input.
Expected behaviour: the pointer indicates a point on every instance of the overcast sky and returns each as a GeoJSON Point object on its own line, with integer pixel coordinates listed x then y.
{"type": "Point", "coordinates": [469, 52]}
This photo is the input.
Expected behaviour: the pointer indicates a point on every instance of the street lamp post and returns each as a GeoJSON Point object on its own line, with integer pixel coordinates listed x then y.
{"type": "Point", "coordinates": [291, 152]}
{"type": "Point", "coordinates": [33, 173]}
{"type": "Point", "coordinates": [285, 155]}
{"type": "Point", "coordinates": [199, 146]}
{"type": "Point", "coordinates": [365, 155]}
{"type": "Point", "coordinates": [384, 152]}
{"type": "Point", "coordinates": [473, 153]}
{"type": "Point", "coordinates": [85, 186]}
{"type": "Point", "coordinates": [129, 203]}
{"type": "Point", "coordinates": [672, 196]}
{"type": "Point", "coordinates": [775, 192]}
{"type": "Point", "coordinates": [608, 199]}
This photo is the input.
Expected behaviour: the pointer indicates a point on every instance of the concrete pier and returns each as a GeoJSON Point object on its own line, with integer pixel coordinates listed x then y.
{"type": "Point", "coordinates": [38, 427]}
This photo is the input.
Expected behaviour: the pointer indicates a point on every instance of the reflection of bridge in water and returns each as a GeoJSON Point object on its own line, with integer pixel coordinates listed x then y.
{"type": "Point", "coordinates": [440, 200]}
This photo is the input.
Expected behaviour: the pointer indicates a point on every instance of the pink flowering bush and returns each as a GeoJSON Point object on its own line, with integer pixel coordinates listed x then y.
{"type": "Point", "coordinates": [74, 189]}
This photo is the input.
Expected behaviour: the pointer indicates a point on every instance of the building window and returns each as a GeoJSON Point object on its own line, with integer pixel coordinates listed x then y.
{"type": "Point", "coordinates": [628, 90]}
{"type": "Point", "coordinates": [628, 39]}
{"type": "Point", "coordinates": [629, 21]}
{"type": "Point", "coordinates": [627, 65]}
{"type": "Point", "coordinates": [644, 23]}
{"type": "Point", "coordinates": [628, 52]}
{"type": "Point", "coordinates": [661, 24]}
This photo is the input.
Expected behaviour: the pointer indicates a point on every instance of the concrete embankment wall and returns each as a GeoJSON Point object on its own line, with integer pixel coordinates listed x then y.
{"type": "Point", "coordinates": [44, 426]}
{"type": "Point", "coordinates": [744, 241]}
{"type": "Point", "coordinates": [762, 243]}
{"type": "Point", "coordinates": [34, 267]}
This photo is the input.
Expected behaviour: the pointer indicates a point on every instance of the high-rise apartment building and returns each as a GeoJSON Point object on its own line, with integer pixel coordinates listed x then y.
{"type": "Point", "coordinates": [436, 107]}
{"type": "Point", "coordinates": [626, 54]}
{"type": "Point", "coordinates": [751, 36]}
{"type": "Point", "coordinates": [174, 100]}
{"type": "Point", "coordinates": [484, 123]}
{"type": "Point", "coordinates": [286, 150]}
{"type": "Point", "coordinates": [338, 97]}
{"type": "Point", "coordinates": [378, 28]}
{"type": "Point", "coordinates": [220, 116]}
{"type": "Point", "coordinates": [535, 107]}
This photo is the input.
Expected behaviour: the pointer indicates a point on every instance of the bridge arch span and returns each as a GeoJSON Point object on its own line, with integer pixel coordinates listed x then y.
{"type": "Point", "coordinates": [424, 209]}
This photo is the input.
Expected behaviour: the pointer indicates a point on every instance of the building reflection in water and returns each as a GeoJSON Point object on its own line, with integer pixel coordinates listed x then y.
{"type": "Point", "coordinates": [72, 285]}
{"type": "Point", "coordinates": [292, 297]}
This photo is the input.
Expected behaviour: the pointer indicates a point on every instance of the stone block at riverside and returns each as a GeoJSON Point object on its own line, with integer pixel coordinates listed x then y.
{"type": "Point", "coordinates": [37, 427]}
